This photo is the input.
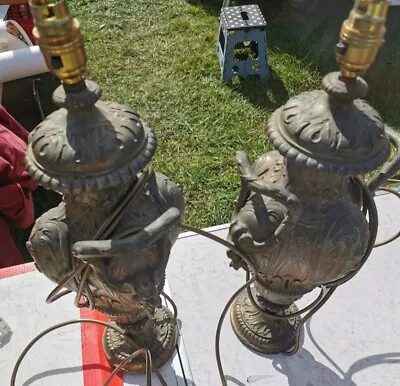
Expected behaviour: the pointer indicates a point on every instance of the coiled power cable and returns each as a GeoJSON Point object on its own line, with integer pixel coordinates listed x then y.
{"type": "Point", "coordinates": [369, 208]}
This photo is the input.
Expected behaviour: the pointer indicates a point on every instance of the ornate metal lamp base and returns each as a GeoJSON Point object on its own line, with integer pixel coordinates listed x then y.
{"type": "Point", "coordinates": [259, 331]}
{"type": "Point", "coordinates": [161, 343]}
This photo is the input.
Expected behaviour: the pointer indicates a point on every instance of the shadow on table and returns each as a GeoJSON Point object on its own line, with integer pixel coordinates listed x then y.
{"type": "Point", "coordinates": [5, 339]}
{"type": "Point", "coordinates": [303, 370]}
{"type": "Point", "coordinates": [65, 370]}
{"type": "Point", "coordinates": [136, 380]}
{"type": "Point", "coordinates": [180, 346]}
{"type": "Point", "coordinates": [260, 377]}
{"type": "Point", "coordinates": [68, 370]}
{"type": "Point", "coordinates": [234, 381]}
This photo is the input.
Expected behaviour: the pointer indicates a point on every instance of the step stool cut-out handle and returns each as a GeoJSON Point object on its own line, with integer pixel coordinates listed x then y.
{"type": "Point", "coordinates": [245, 15]}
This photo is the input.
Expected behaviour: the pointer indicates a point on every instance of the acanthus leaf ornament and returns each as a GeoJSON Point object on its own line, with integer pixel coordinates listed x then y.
{"type": "Point", "coordinates": [301, 215]}
{"type": "Point", "coordinates": [110, 238]}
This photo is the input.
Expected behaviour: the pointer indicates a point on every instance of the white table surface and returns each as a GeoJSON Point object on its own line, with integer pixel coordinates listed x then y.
{"type": "Point", "coordinates": [353, 340]}
{"type": "Point", "coordinates": [56, 360]}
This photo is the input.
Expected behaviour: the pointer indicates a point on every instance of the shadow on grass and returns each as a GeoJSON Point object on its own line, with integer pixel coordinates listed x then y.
{"type": "Point", "coordinates": [213, 7]}
{"type": "Point", "coordinates": [311, 36]}
{"type": "Point", "coordinates": [269, 94]}
{"type": "Point", "coordinates": [46, 86]}
{"type": "Point", "coordinates": [312, 39]}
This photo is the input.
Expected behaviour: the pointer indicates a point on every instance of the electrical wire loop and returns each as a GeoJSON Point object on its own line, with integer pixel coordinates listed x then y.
{"type": "Point", "coordinates": [83, 270]}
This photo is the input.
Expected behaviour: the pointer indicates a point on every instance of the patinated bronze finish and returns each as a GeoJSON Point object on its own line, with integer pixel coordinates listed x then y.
{"type": "Point", "coordinates": [298, 217]}
{"type": "Point", "coordinates": [116, 221]}
{"type": "Point", "coordinates": [110, 238]}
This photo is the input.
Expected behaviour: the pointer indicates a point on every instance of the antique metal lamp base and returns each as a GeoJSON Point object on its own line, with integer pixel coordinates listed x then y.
{"type": "Point", "coordinates": [259, 331]}
{"type": "Point", "coordinates": [160, 342]}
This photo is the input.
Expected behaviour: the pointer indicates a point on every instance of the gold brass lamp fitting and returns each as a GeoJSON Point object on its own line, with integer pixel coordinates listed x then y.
{"type": "Point", "coordinates": [109, 239]}
{"type": "Point", "coordinates": [59, 37]}
{"type": "Point", "coordinates": [304, 218]}
{"type": "Point", "coordinates": [361, 36]}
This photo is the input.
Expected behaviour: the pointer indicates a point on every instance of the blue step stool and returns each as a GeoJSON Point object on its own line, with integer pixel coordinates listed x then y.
{"type": "Point", "coordinates": [242, 32]}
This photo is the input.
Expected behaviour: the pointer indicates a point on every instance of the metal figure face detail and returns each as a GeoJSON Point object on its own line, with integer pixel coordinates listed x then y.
{"type": "Point", "coordinates": [305, 218]}
{"type": "Point", "coordinates": [110, 238]}
{"type": "Point", "coordinates": [300, 217]}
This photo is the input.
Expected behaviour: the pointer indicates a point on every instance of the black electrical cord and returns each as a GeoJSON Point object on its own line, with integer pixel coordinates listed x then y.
{"type": "Point", "coordinates": [82, 271]}
{"type": "Point", "coordinates": [138, 352]}
{"type": "Point", "coordinates": [251, 276]}
{"type": "Point", "coordinates": [397, 235]}
{"type": "Point", "coordinates": [248, 283]}
{"type": "Point", "coordinates": [326, 291]}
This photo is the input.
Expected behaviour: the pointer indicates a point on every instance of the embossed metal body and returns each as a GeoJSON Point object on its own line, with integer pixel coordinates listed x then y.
{"type": "Point", "coordinates": [110, 238]}
{"type": "Point", "coordinates": [94, 156]}
{"type": "Point", "coordinates": [300, 215]}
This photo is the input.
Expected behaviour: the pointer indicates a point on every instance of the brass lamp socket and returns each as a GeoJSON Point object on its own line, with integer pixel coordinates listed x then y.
{"type": "Point", "coordinates": [59, 37]}
{"type": "Point", "coordinates": [361, 36]}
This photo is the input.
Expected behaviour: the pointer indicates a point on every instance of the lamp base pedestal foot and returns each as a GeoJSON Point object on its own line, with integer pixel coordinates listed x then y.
{"type": "Point", "coordinates": [260, 332]}
{"type": "Point", "coordinates": [158, 335]}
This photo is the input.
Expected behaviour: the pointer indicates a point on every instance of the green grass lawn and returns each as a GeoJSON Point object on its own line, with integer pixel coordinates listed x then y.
{"type": "Point", "coordinates": [159, 58]}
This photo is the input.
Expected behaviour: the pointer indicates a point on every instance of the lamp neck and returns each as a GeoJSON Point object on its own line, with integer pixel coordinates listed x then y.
{"type": "Point", "coordinates": [307, 183]}
{"type": "Point", "coordinates": [87, 211]}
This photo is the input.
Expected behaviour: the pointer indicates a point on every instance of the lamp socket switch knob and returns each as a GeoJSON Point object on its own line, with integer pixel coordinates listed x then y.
{"type": "Point", "coordinates": [341, 48]}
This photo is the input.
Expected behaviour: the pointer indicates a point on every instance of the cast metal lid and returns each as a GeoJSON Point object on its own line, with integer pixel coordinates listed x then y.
{"type": "Point", "coordinates": [88, 144]}
{"type": "Point", "coordinates": [331, 130]}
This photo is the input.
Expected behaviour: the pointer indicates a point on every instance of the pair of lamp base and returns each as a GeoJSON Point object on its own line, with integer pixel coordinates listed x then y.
{"type": "Point", "coordinates": [255, 329]}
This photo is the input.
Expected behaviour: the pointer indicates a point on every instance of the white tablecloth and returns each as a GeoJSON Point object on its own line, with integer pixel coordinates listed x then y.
{"type": "Point", "coordinates": [71, 356]}
{"type": "Point", "coordinates": [353, 340]}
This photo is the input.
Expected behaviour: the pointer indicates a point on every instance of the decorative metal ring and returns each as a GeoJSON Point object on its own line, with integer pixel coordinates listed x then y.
{"type": "Point", "coordinates": [397, 235]}
{"type": "Point", "coordinates": [293, 314]}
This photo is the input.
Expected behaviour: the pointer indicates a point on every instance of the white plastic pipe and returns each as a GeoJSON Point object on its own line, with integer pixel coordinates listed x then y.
{"type": "Point", "coordinates": [18, 57]}
{"type": "Point", "coordinates": [21, 63]}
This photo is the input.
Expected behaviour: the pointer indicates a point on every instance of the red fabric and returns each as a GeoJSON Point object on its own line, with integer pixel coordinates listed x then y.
{"type": "Point", "coordinates": [15, 186]}
{"type": "Point", "coordinates": [9, 255]}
